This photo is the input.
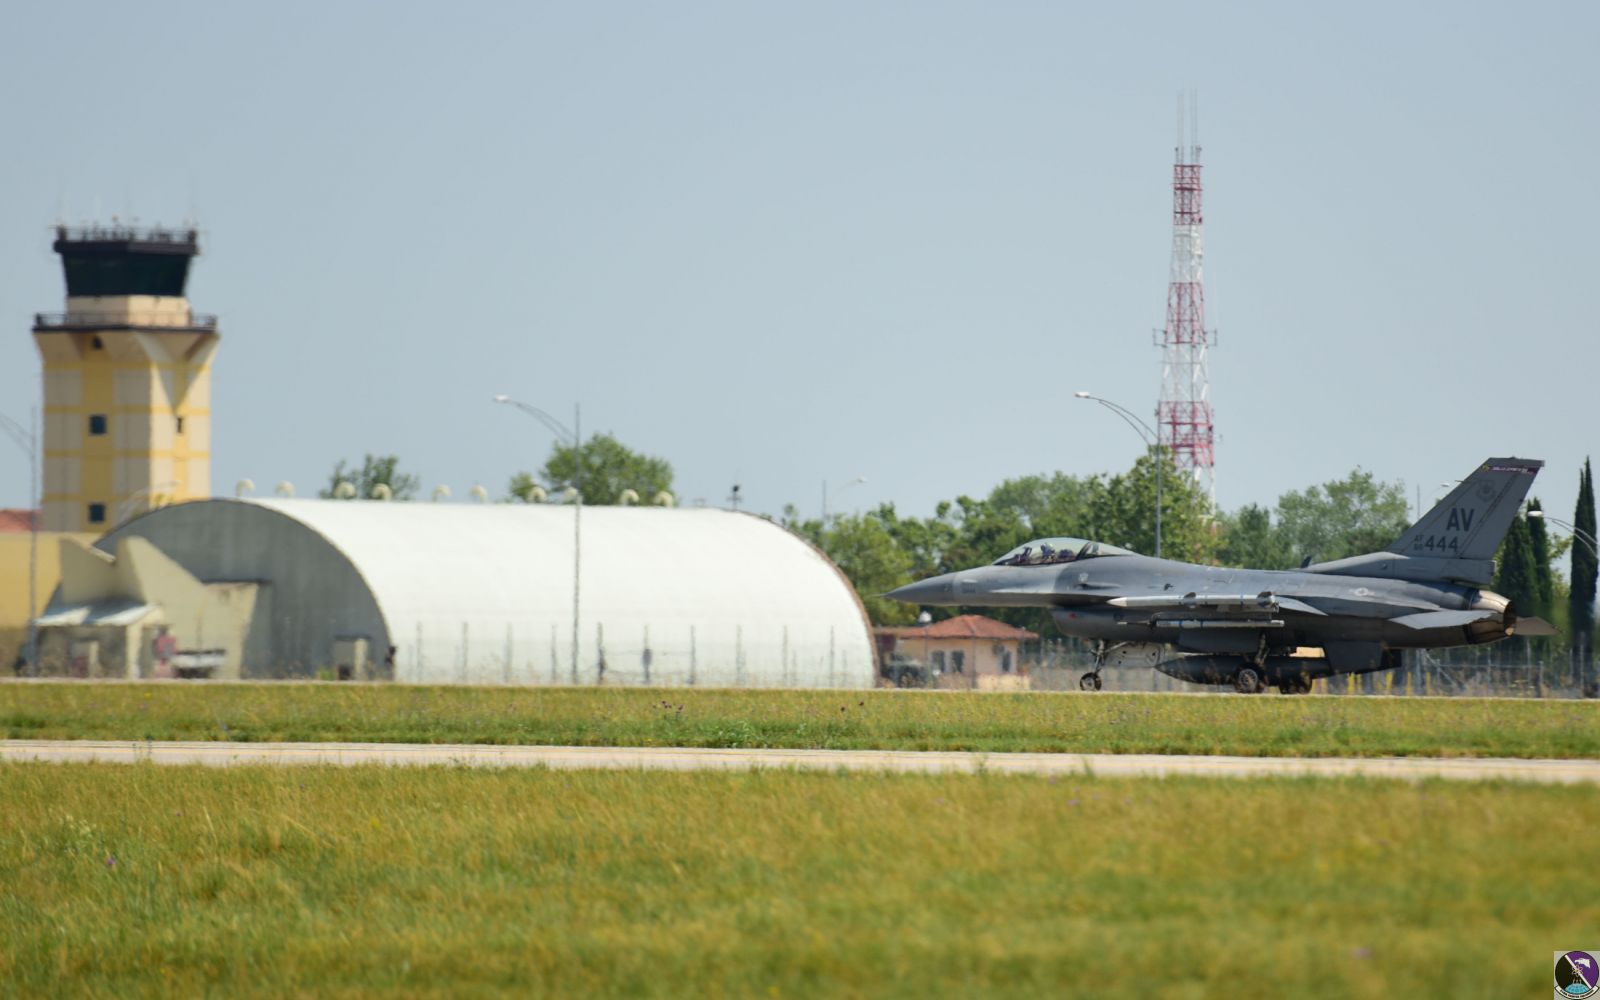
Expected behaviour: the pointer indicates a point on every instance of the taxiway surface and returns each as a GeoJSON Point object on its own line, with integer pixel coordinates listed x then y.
{"type": "Point", "coordinates": [693, 759]}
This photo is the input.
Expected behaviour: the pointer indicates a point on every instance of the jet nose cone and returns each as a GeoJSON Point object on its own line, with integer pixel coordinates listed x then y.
{"type": "Point", "coordinates": [932, 591]}
{"type": "Point", "coordinates": [911, 593]}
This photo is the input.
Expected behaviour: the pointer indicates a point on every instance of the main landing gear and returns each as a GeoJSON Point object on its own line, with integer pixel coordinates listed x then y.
{"type": "Point", "coordinates": [1248, 680]}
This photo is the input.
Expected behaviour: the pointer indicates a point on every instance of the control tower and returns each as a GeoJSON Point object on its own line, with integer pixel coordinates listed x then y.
{"type": "Point", "coordinates": [127, 379]}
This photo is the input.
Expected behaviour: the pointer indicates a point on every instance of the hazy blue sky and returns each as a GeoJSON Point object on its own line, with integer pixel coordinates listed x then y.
{"type": "Point", "coordinates": [778, 245]}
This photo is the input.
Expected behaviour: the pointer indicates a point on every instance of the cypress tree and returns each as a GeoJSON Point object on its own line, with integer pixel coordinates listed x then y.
{"type": "Point", "coordinates": [1514, 578]}
{"type": "Point", "coordinates": [1584, 570]}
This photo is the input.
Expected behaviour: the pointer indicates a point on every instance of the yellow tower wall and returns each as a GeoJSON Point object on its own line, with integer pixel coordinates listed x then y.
{"type": "Point", "coordinates": [137, 361]}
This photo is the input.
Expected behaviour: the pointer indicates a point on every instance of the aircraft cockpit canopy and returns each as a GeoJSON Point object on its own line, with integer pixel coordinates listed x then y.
{"type": "Point", "coordinates": [1053, 551]}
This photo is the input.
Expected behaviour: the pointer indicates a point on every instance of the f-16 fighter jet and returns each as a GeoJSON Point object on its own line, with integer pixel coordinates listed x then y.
{"type": "Point", "coordinates": [1251, 628]}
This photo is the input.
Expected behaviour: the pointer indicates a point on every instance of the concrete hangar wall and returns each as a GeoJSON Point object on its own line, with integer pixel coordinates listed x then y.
{"type": "Point", "coordinates": [469, 593]}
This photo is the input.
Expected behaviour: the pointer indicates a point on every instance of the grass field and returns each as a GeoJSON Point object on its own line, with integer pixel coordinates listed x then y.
{"type": "Point", "coordinates": [142, 880]}
{"type": "Point", "coordinates": [903, 720]}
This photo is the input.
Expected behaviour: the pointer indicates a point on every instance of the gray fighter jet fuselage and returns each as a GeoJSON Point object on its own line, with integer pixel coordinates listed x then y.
{"type": "Point", "coordinates": [1249, 627]}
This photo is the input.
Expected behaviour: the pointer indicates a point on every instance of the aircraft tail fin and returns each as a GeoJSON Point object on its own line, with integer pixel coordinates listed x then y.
{"type": "Point", "coordinates": [1471, 521]}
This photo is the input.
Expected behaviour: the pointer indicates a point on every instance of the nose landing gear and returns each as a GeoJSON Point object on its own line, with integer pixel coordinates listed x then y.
{"type": "Point", "coordinates": [1091, 680]}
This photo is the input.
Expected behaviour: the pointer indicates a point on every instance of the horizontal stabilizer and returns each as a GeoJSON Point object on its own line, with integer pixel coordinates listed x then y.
{"type": "Point", "coordinates": [1443, 619]}
{"type": "Point", "coordinates": [1535, 626]}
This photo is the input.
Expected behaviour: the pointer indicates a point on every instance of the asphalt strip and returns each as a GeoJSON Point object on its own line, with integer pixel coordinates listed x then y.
{"type": "Point", "coordinates": [1565, 772]}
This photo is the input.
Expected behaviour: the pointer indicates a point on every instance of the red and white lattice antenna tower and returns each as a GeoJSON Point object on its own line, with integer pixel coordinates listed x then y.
{"type": "Point", "coordinates": [1183, 414]}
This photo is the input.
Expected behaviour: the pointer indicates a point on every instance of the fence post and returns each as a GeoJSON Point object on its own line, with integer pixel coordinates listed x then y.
{"type": "Point", "coordinates": [600, 653]}
{"type": "Point", "coordinates": [831, 679]}
{"type": "Point", "coordinates": [645, 656]}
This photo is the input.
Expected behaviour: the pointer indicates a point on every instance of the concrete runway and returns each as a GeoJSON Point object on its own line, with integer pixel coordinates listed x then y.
{"type": "Point", "coordinates": [687, 759]}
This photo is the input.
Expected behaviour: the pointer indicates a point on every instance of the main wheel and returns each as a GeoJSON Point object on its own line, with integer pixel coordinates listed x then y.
{"type": "Point", "coordinates": [1089, 682]}
{"type": "Point", "coordinates": [1247, 681]}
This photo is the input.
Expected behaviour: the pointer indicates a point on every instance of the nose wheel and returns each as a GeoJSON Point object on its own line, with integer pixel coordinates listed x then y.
{"type": "Point", "coordinates": [1091, 680]}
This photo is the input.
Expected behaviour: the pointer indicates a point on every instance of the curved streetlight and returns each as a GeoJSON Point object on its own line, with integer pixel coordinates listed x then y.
{"type": "Point", "coordinates": [570, 438]}
{"type": "Point", "coordinates": [1587, 539]}
{"type": "Point", "coordinates": [1151, 439]}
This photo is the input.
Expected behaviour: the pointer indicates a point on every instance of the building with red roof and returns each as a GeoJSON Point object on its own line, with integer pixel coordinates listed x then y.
{"type": "Point", "coordinates": [16, 520]}
{"type": "Point", "coordinates": [967, 651]}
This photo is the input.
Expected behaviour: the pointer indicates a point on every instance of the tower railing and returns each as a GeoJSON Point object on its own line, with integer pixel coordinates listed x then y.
{"type": "Point", "coordinates": [106, 320]}
{"type": "Point", "coordinates": [120, 233]}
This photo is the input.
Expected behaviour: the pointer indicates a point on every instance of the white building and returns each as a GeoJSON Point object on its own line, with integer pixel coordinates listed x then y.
{"type": "Point", "coordinates": [463, 593]}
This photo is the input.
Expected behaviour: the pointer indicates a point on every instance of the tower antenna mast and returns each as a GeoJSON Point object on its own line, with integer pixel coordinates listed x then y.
{"type": "Point", "coordinates": [1183, 413]}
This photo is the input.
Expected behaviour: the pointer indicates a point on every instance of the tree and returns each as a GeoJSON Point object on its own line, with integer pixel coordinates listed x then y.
{"type": "Point", "coordinates": [376, 470]}
{"type": "Point", "coordinates": [983, 533]}
{"type": "Point", "coordinates": [1585, 566]}
{"type": "Point", "coordinates": [925, 540]}
{"type": "Point", "coordinates": [864, 550]}
{"type": "Point", "coordinates": [1116, 509]}
{"type": "Point", "coordinates": [608, 469]}
{"type": "Point", "coordinates": [1121, 511]}
{"type": "Point", "coordinates": [1250, 539]}
{"type": "Point", "coordinates": [1516, 577]}
{"type": "Point", "coordinates": [1544, 583]}
{"type": "Point", "coordinates": [869, 553]}
{"type": "Point", "coordinates": [1053, 504]}
{"type": "Point", "coordinates": [1345, 517]}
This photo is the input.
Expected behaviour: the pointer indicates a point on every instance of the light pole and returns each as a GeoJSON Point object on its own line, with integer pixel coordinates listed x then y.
{"type": "Point", "coordinates": [572, 438]}
{"type": "Point", "coordinates": [1151, 439]}
{"type": "Point", "coordinates": [28, 441]}
{"type": "Point", "coordinates": [857, 481]}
